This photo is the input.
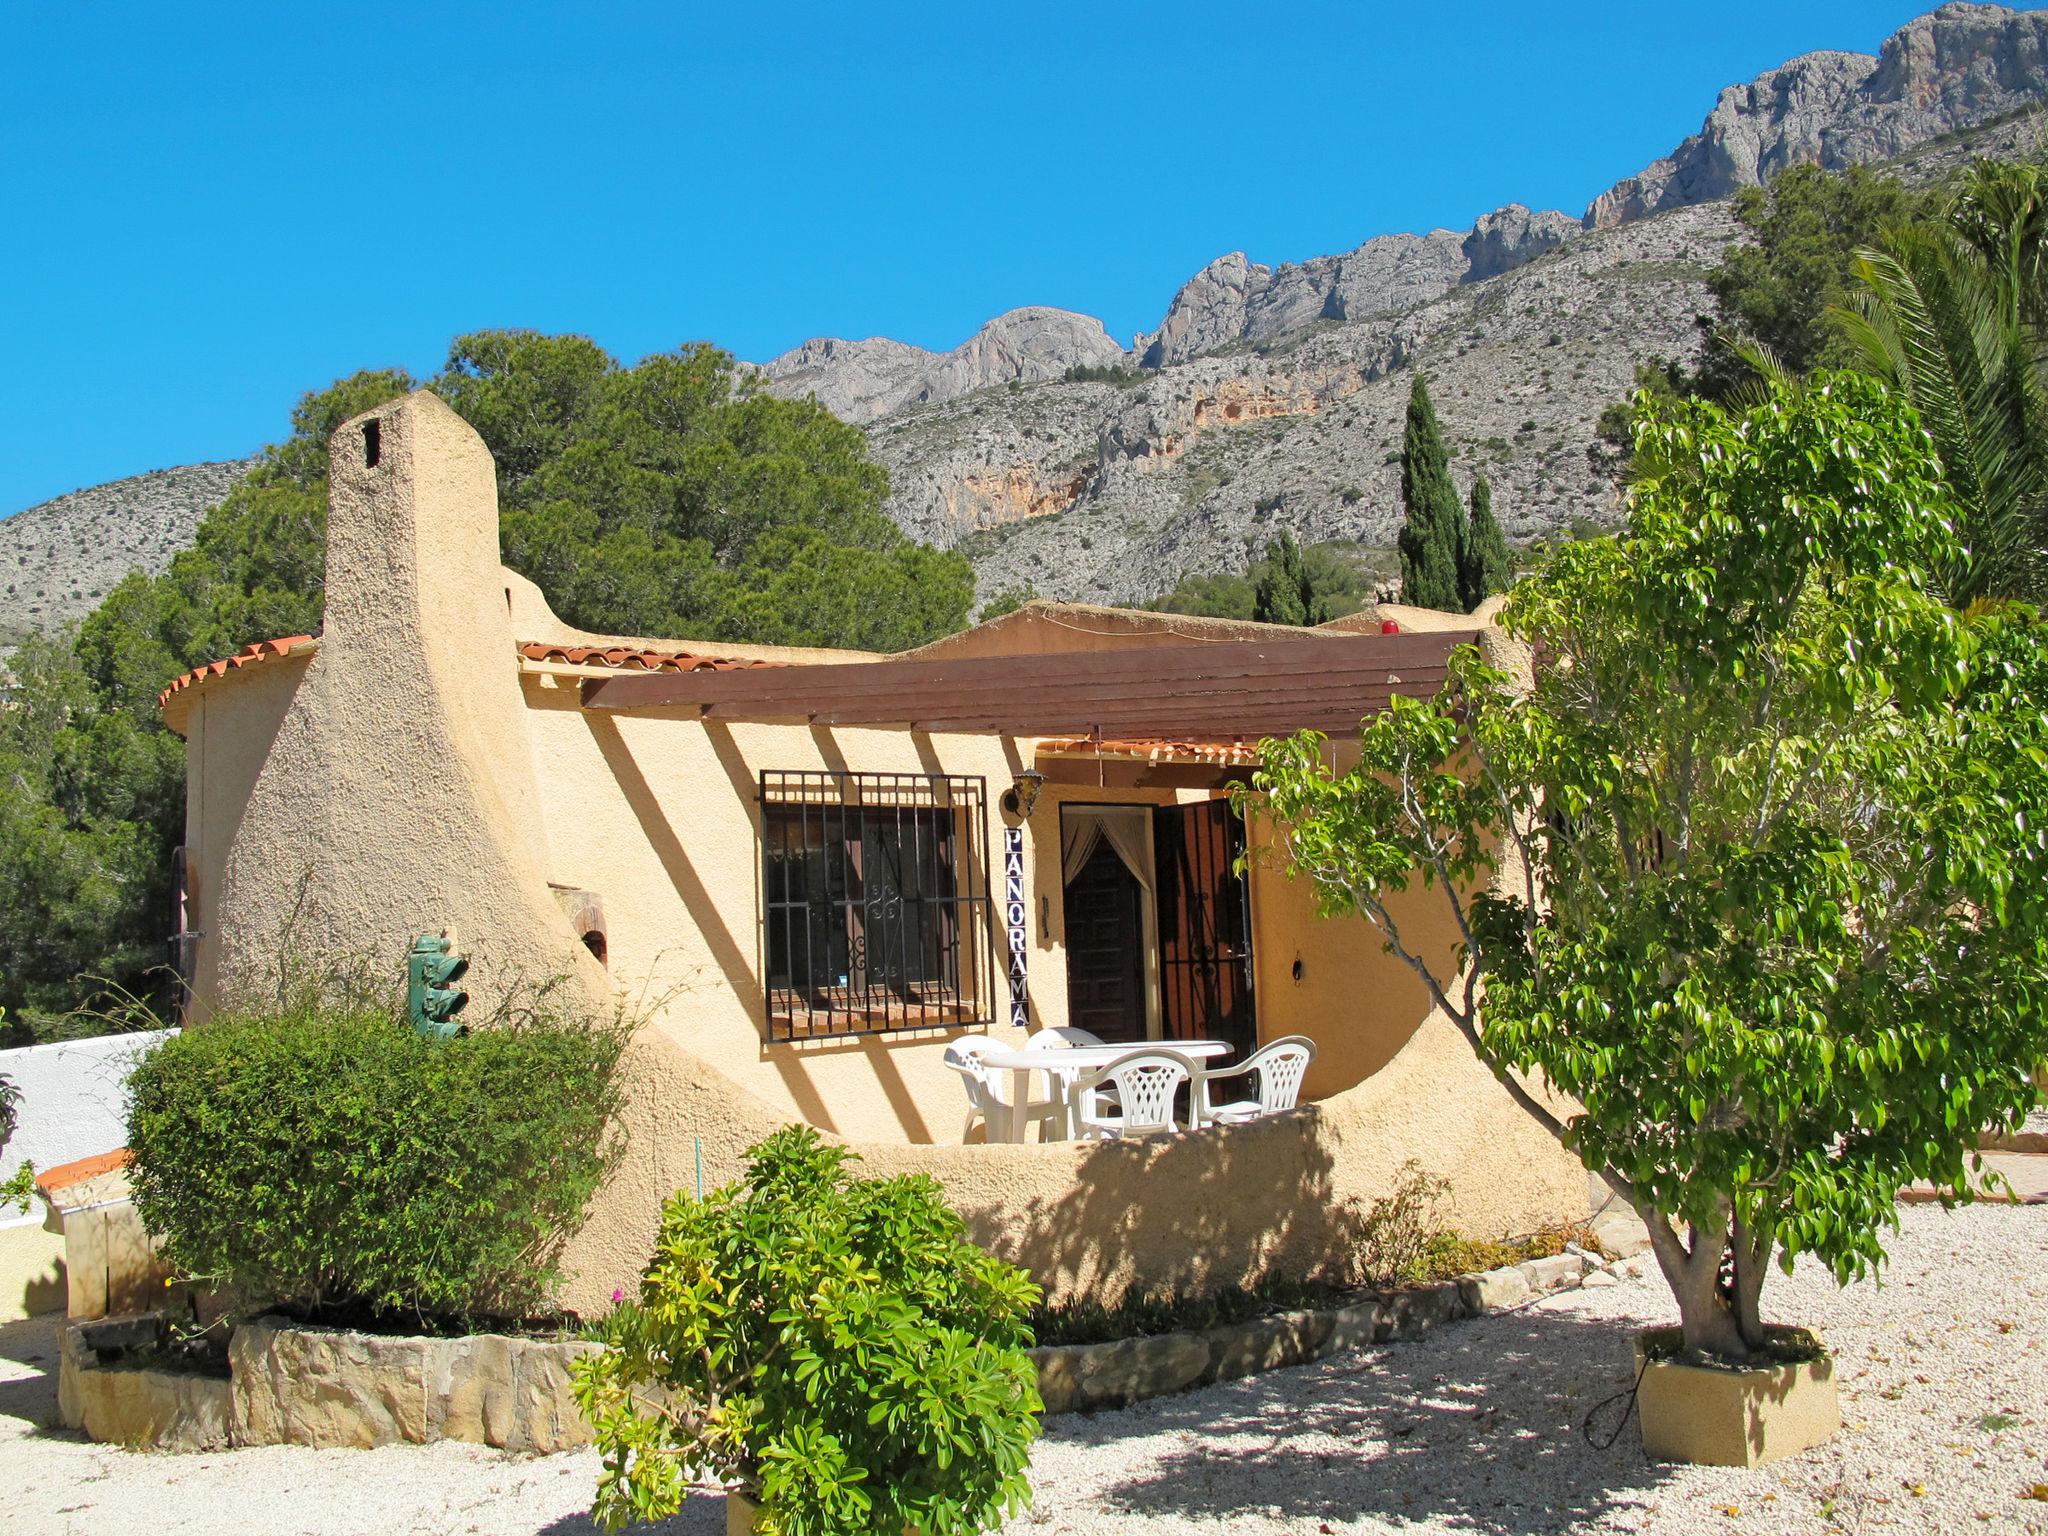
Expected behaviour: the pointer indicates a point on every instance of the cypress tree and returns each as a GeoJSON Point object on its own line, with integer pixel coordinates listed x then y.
{"type": "Point", "coordinates": [1282, 594]}
{"type": "Point", "coordinates": [1483, 563]}
{"type": "Point", "coordinates": [1432, 536]}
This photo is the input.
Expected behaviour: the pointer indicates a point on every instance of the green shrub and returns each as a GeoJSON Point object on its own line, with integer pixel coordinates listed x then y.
{"type": "Point", "coordinates": [18, 1191]}
{"type": "Point", "coordinates": [331, 1160]}
{"type": "Point", "coordinates": [835, 1346]}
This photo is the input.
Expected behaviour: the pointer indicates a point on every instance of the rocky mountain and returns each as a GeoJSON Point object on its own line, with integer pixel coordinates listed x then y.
{"type": "Point", "coordinates": [1232, 300]}
{"type": "Point", "coordinates": [1271, 397]}
{"type": "Point", "coordinates": [1957, 67]}
{"type": "Point", "coordinates": [58, 559]}
{"type": "Point", "coordinates": [1111, 492]}
{"type": "Point", "coordinates": [1953, 68]}
{"type": "Point", "coordinates": [861, 380]}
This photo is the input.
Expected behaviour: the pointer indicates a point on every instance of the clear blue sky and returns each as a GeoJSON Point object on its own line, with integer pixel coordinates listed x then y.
{"type": "Point", "coordinates": [209, 209]}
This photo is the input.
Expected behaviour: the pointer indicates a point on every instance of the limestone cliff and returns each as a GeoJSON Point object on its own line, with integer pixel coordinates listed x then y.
{"type": "Point", "coordinates": [1954, 68]}
{"type": "Point", "coordinates": [861, 380]}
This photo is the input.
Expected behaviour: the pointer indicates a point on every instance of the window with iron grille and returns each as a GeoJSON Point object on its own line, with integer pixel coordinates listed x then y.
{"type": "Point", "coordinates": [875, 903]}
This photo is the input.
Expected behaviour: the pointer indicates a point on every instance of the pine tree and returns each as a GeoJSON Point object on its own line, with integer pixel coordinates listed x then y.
{"type": "Point", "coordinates": [1483, 559]}
{"type": "Point", "coordinates": [1432, 537]}
{"type": "Point", "coordinates": [1282, 595]}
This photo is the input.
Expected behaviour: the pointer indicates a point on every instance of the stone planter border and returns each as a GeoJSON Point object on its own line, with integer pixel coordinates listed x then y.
{"type": "Point", "coordinates": [292, 1385]}
{"type": "Point", "coordinates": [326, 1387]}
{"type": "Point", "coordinates": [1086, 1377]}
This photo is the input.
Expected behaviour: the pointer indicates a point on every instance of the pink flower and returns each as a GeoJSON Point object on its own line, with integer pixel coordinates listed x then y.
{"type": "Point", "coordinates": [618, 1296]}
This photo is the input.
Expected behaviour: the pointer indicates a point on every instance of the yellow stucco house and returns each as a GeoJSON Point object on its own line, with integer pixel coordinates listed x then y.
{"type": "Point", "coordinates": [814, 869]}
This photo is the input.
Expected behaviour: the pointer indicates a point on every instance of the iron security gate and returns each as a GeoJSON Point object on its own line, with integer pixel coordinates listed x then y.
{"type": "Point", "coordinates": [1205, 930]}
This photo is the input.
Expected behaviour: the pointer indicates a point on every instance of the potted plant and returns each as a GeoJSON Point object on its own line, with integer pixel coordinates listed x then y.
{"type": "Point", "coordinates": [1752, 867]}
{"type": "Point", "coordinates": [831, 1349]}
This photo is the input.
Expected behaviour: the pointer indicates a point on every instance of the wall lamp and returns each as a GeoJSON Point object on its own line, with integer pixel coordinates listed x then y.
{"type": "Point", "coordinates": [1021, 796]}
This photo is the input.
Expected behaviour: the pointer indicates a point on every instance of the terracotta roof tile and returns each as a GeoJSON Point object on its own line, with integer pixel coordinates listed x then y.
{"type": "Point", "coordinates": [247, 656]}
{"type": "Point", "coordinates": [1159, 749]}
{"type": "Point", "coordinates": [64, 1175]}
{"type": "Point", "coordinates": [622, 658]}
{"type": "Point", "coordinates": [627, 659]}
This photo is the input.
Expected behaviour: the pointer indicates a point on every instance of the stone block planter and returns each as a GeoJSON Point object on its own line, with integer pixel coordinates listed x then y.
{"type": "Point", "coordinates": [292, 1385]}
{"type": "Point", "coordinates": [1733, 1418]}
{"type": "Point", "coordinates": [103, 1390]}
{"type": "Point", "coordinates": [328, 1387]}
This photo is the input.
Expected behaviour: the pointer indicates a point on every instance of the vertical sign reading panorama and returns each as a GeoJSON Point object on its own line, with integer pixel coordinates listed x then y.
{"type": "Point", "coordinates": [1014, 912]}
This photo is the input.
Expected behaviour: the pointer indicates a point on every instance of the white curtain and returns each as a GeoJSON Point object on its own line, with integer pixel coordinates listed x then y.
{"type": "Point", "coordinates": [1128, 829]}
{"type": "Point", "coordinates": [1079, 833]}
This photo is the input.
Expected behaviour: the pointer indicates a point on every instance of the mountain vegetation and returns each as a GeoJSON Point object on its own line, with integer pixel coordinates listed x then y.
{"type": "Point", "coordinates": [666, 498]}
{"type": "Point", "coordinates": [1288, 584]}
{"type": "Point", "coordinates": [1484, 564]}
{"type": "Point", "coordinates": [1433, 534]}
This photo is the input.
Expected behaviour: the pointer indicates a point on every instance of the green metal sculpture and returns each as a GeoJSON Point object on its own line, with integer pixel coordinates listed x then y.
{"type": "Point", "coordinates": [431, 997]}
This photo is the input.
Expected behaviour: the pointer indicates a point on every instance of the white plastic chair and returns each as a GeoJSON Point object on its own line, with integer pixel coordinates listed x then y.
{"type": "Point", "coordinates": [984, 1097]}
{"type": "Point", "coordinates": [1280, 1065]}
{"type": "Point", "coordinates": [1145, 1082]}
{"type": "Point", "coordinates": [1058, 1037]}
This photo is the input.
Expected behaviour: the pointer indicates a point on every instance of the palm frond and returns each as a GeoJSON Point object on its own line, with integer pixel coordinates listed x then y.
{"type": "Point", "coordinates": [1934, 318]}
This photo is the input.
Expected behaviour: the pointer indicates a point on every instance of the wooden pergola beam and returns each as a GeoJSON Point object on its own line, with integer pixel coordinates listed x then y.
{"type": "Point", "coordinates": [1237, 688]}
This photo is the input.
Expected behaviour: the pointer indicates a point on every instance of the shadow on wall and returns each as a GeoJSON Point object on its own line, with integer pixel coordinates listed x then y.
{"type": "Point", "coordinates": [733, 963]}
{"type": "Point", "coordinates": [45, 1292]}
{"type": "Point", "coordinates": [1191, 1212]}
{"type": "Point", "coordinates": [1476, 1428]}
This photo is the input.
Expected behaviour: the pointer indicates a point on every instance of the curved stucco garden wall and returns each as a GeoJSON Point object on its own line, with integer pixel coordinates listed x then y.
{"type": "Point", "coordinates": [1092, 1219]}
{"type": "Point", "coordinates": [411, 778]}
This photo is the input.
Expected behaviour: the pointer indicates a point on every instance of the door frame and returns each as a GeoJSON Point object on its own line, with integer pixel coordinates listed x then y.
{"type": "Point", "coordinates": [1148, 901]}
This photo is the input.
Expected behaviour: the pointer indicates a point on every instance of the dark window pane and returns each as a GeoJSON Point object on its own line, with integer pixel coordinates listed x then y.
{"type": "Point", "coordinates": [865, 909]}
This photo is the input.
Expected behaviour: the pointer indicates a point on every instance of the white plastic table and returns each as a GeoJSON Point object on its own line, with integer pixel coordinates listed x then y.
{"type": "Point", "coordinates": [1009, 1125]}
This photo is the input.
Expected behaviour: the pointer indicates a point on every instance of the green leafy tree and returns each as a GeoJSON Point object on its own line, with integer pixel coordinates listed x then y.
{"type": "Point", "coordinates": [17, 1190]}
{"type": "Point", "coordinates": [834, 1346]}
{"type": "Point", "coordinates": [1009, 600]}
{"type": "Point", "coordinates": [1320, 582]}
{"type": "Point", "coordinates": [88, 798]}
{"type": "Point", "coordinates": [1948, 312]}
{"type": "Point", "coordinates": [1434, 530]}
{"type": "Point", "coordinates": [1280, 592]}
{"type": "Point", "coordinates": [1613, 448]}
{"type": "Point", "coordinates": [1774, 905]}
{"type": "Point", "coordinates": [1484, 565]}
{"type": "Point", "coordinates": [666, 498]}
{"type": "Point", "coordinates": [1214, 595]}
{"type": "Point", "coordinates": [1773, 292]}
{"type": "Point", "coordinates": [1776, 288]}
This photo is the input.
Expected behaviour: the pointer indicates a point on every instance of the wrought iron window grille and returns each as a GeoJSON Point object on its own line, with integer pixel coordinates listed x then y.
{"type": "Point", "coordinates": [875, 903]}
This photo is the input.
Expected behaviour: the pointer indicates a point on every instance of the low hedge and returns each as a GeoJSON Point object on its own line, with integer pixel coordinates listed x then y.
{"type": "Point", "coordinates": [338, 1164]}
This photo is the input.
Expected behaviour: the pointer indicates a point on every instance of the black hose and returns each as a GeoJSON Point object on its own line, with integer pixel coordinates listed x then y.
{"type": "Point", "coordinates": [1586, 1425]}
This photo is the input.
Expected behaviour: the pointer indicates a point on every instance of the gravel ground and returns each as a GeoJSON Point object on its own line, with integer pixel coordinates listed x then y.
{"type": "Point", "coordinates": [1943, 1369]}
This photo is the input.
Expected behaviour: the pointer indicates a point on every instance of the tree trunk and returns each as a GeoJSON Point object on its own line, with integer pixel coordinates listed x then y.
{"type": "Point", "coordinates": [1693, 1271]}
{"type": "Point", "coordinates": [1752, 1264]}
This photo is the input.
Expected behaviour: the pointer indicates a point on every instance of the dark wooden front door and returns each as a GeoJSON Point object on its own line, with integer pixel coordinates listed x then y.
{"type": "Point", "coordinates": [1205, 935]}
{"type": "Point", "coordinates": [1106, 948]}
